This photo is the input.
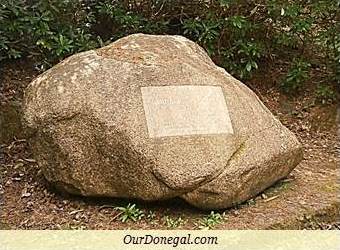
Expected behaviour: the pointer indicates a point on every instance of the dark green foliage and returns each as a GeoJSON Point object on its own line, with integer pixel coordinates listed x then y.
{"type": "Point", "coordinates": [296, 76]}
{"type": "Point", "coordinates": [325, 94]}
{"type": "Point", "coordinates": [52, 29]}
{"type": "Point", "coordinates": [242, 36]}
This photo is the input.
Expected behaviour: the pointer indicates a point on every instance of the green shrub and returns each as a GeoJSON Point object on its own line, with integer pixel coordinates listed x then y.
{"type": "Point", "coordinates": [296, 76]}
{"type": "Point", "coordinates": [206, 32]}
{"type": "Point", "coordinates": [52, 29]}
{"type": "Point", "coordinates": [325, 94]}
{"type": "Point", "coordinates": [242, 36]}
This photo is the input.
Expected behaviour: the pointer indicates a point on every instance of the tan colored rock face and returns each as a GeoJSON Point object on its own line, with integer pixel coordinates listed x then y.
{"type": "Point", "coordinates": [152, 117]}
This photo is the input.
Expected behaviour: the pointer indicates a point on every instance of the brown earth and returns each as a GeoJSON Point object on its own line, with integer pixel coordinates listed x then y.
{"type": "Point", "coordinates": [308, 198]}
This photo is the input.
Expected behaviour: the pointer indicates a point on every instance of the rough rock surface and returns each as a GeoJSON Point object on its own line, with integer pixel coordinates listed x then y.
{"type": "Point", "coordinates": [88, 128]}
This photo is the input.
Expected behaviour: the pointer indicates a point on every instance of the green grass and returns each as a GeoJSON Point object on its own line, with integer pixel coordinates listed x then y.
{"type": "Point", "coordinates": [211, 220]}
{"type": "Point", "coordinates": [130, 212]}
{"type": "Point", "coordinates": [173, 222]}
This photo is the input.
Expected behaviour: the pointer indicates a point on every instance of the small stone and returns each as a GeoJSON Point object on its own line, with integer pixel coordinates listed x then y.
{"type": "Point", "coordinates": [25, 194]}
{"type": "Point", "coordinates": [8, 183]}
{"type": "Point", "coordinates": [16, 178]}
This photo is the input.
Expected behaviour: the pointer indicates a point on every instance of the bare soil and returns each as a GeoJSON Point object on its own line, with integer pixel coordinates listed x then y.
{"type": "Point", "coordinates": [307, 198]}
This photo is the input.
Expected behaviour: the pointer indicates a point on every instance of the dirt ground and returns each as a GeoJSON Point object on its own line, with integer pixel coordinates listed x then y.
{"type": "Point", "coordinates": [307, 198]}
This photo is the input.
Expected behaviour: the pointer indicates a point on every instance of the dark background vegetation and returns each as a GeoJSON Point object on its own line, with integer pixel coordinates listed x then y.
{"type": "Point", "coordinates": [287, 51]}
{"type": "Point", "coordinates": [296, 40]}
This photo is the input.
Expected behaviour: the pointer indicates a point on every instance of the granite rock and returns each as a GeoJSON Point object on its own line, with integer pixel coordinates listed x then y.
{"type": "Point", "coordinates": [152, 117]}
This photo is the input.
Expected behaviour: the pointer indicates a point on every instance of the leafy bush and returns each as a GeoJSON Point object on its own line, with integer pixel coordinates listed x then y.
{"type": "Point", "coordinates": [296, 76]}
{"type": "Point", "coordinates": [52, 29]}
{"type": "Point", "coordinates": [325, 94]}
{"type": "Point", "coordinates": [242, 36]}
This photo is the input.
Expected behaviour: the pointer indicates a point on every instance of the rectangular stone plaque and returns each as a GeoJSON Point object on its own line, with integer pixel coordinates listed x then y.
{"type": "Point", "coordinates": [185, 110]}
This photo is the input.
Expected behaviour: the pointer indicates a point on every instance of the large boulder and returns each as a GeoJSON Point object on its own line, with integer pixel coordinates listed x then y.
{"type": "Point", "coordinates": [152, 117]}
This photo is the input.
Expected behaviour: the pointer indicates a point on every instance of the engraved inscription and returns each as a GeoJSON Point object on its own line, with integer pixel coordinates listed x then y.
{"type": "Point", "coordinates": [185, 110]}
